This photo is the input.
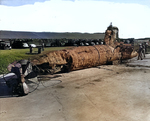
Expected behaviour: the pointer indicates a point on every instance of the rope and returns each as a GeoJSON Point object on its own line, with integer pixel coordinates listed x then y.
{"type": "Point", "coordinates": [35, 88]}
{"type": "Point", "coordinates": [59, 81]}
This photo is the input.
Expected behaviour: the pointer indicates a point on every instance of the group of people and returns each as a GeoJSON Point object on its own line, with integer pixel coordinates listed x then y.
{"type": "Point", "coordinates": [40, 48]}
{"type": "Point", "coordinates": [142, 50]}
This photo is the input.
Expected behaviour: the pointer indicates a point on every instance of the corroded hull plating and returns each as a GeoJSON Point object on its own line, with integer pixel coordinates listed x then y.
{"type": "Point", "coordinates": [82, 57]}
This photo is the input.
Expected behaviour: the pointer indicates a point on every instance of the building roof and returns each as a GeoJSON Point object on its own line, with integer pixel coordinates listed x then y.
{"type": "Point", "coordinates": [49, 35]}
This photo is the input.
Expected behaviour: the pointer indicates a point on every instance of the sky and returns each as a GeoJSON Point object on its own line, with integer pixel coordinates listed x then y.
{"type": "Point", "coordinates": [90, 16]}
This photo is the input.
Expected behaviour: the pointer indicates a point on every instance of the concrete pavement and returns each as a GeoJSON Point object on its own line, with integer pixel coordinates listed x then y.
{"type": "Point", "coordinates": [106, 93]}
{"type": "Point", "coordinates": [139, 63]}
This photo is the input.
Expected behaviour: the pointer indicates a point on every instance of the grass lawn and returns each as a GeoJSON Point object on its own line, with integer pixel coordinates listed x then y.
{"type": "Point", "coordinates": [9, 56]}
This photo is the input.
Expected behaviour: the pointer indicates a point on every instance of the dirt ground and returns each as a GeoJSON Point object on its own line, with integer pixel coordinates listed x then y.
{"type": "Point", "coordinates": [104, 93]}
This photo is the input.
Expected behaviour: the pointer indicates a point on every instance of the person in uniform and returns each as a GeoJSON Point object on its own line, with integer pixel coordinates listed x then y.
{"type": "Point", "coordinates": [140, 52]}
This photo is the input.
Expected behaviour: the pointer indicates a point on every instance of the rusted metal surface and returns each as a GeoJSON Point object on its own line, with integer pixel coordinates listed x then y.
{"type": "Point", "coordinates": [83, 57]}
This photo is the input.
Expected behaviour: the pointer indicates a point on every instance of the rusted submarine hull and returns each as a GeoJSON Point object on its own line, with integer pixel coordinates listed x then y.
{"type": "Point", "coordinates": [81, 57]}
{"type": "Point", "coordinates": [86, 56]}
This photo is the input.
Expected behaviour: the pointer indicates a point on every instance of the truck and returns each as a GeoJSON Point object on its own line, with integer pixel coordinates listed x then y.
{"type": "Point", "coordinates": [5, 45]}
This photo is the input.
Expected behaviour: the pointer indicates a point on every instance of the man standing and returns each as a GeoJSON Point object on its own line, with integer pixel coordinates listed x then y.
{"type": "Point", "coordinates": [143, 50]}
{"type": "Point", "coordinates": [140, 52]}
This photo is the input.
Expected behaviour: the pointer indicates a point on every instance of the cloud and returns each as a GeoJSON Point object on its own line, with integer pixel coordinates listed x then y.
{"type": "Point", "coordinates": [78, 16]}
{"type": "Point", "coordinates": [19, 2]}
